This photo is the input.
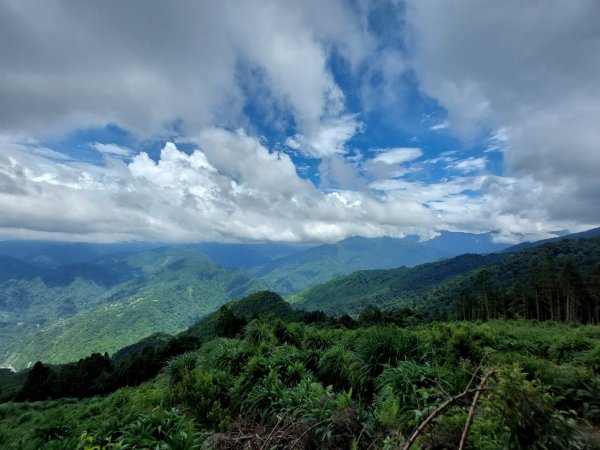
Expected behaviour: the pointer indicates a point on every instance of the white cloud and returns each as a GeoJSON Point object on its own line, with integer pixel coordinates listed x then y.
{"type": "Point", "coordinates": [468, 165]}
{"type": "Point", "coordinates": [529, 71]}
{"type": "Point", "coordinates": [526, 71]}
{"type": "Point", "coordinates": [147, 68]}
{"type": "Point", "coordinates": [439, 126]}
{"type": "Point", "coordinates": [397, 155]}
{"type": "Point", "coordinates": [329, 139]}
{"type": "Point", "coordinates": [230, 188]}
{"type": "Point", "coordinates": [391, 163]}
{"type": "Point", "coordinates": [112, 149]}
{"type": "Point", "coordinates": [336, 172]}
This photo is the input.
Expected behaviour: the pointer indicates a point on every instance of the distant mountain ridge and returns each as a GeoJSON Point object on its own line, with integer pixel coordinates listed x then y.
{"type": "Point", "coordinates": [300, 270]}
{"type": "Point", "coordinates": [594, 232]}
{"type": "Point", "coordinates": [456, 243]}
{"type": "Point", "coordinates": [62, 311]}
{"type": "Point", "coordinates": [53, 254]}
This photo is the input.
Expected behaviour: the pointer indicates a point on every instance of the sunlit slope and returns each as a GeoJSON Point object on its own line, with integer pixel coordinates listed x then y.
{"type": "Point", "coordinates": [176, 288]}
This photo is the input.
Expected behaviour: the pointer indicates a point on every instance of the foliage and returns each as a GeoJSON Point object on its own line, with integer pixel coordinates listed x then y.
{"type": "Point", "coordinates": [520, 413]}
{"type": "Point", "coordinates": [291, 382]}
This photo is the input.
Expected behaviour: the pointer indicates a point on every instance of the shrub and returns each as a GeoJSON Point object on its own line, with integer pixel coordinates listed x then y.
{"type": "Point", "coordinates": [565, 349]}
{"type": "Point", "coordinates": [378, 346]}
{"type": "Point", "coordinates": [161, 429]}
{"type": "Point", "coordinates": [204, 394]}
{"type": "Point", "coordinates": [179, 366]}
{"type": "Point", "coordinates": [230, 355]}
{"type": "Point", "coordinates": [338, 367]}
{"type": "Point", "coordinates": [521, 414]}
{"type": "Point", "coordinates": [466, 343]}
{"type": "Point", "coordinates": [258, 332]}
{"type": "Point", "coordinates": [416, 388]}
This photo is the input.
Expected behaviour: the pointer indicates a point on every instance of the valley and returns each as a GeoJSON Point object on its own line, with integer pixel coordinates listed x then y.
{"type": "Point", "coordinates": [202, 354]}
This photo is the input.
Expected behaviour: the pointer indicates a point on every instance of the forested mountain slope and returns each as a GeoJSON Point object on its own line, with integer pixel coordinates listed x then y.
{"type": "Point", "coordinates": [32, 297]}
{"type": "Point", "coordinates": [300, 270]}
{"type": "Point", "coordinates": [510, 280]}
{"type": "Point", "coordinates": [385, 288]}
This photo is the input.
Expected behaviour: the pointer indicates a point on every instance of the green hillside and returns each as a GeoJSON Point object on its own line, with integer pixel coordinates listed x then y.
{"type": "Point", "coordinates": [255, 305]}
{"type": "Point", "coordinates": [436, 286]}
{"type": "Point", "coordinates": [33, 297]}
{"type": "Point", "coordinates": [29, 305]}
{"type": "Point", "coordinates": [176, 287]}
{"type": "Point", "coordinates": [298, 271]}
{"type": "Point", "coordinates": [384, 288]}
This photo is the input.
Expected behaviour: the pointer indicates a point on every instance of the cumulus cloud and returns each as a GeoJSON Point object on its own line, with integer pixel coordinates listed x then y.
{"type": "Point", "coordinates": [329, 139]}
{"type": "Point", "coordinates": [339, 173]}
{"type": "Point", "coordinates": [230, 188]}
{"type": "Point", "coordinates": [517, 79]}
{"type": "Point", "coordinates": [233, 188]}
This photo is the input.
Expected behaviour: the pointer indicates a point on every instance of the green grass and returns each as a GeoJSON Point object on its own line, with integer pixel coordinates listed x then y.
{"type": "Point", "coordinates": [60, 423]}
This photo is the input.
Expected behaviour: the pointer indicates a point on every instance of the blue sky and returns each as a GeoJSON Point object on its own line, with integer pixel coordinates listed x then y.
{"type": "Point", "coordinates": [301, 122]}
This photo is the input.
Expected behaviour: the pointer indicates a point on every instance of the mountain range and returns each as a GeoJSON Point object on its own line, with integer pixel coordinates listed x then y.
{"type": "Point", "coordinates": [59, 302]}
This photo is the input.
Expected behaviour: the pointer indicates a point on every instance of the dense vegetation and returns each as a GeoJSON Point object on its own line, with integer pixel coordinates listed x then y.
{"type": "Point", "coordinates": [497, 351]}
{"type": "Point", "coordinates": [385, 288]}
{"type": "Point", "coordinates": [100, 374]}
{"type": "Point", "coordinates": [288, 384]}
{"type": "Point", "coordinates": [59, 302]}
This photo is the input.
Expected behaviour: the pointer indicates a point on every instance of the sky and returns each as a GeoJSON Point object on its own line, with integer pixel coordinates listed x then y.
{"type": "Point", "coordinates": [307, 121]}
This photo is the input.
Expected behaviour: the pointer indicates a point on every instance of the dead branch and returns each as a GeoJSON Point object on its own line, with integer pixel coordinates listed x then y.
{"type": "Point", "coordinates": [306, 432]}
{"type": "Point", "coordinates": [440, 409]}
{"type": "Point", "coordinates": [463, 438]}
{"type": "Point", "coordinates": [272, 431]}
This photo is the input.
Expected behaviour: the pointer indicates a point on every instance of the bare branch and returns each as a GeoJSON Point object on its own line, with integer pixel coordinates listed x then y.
{"type": "Point", "coordinates": [440, 409]}
{"type": "Point", "coordinates": [306, 432]}
{"type": "Point", "coordinates": [463, 439]}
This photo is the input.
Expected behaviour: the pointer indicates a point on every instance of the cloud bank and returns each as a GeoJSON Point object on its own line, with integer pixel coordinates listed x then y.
{"type": "Point", "coordinates": [528, 70]}
{"type": "Point", "coordinates": [515, 83]}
